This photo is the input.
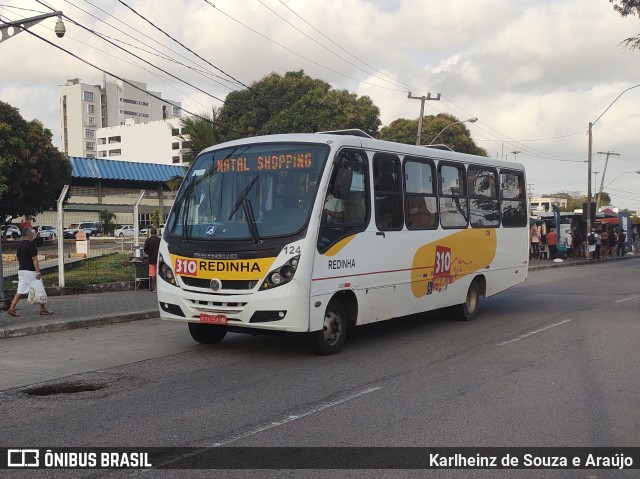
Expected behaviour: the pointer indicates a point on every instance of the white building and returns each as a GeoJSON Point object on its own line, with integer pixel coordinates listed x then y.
{"type": "Point", "coordinates": [153, 142]}
{"type": "Point", "coordinates": [84, 108]}
{"type": "Point", "coordinates": [542, 204]}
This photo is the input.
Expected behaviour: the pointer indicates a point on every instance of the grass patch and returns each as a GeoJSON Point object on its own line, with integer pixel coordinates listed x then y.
{"type": "Point", "coordinates": [110, 268]}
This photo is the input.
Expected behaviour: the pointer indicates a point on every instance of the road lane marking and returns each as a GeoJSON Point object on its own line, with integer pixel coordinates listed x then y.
{"type": "Point", "coordinates": [294, 417]}
{"type": "Point", "coordinates": [534, 332]}
{"type": "Point", "coordinates": [627, 299]}
{"type": "Point", "coordinates": [265, 427]}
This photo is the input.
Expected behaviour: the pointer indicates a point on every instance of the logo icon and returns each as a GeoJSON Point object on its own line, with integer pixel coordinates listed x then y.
{"type": "Point", "coordinates": [211, 230]}
{"type": "Point", "coordinates": [23, 457]}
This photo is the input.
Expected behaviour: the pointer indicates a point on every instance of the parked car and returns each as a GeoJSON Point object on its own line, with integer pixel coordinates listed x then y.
{"type": "Point", "coordinates": [91, 228]}
{"type": "Point", "coordinates": [48, 232]}
{"type": "Point", "coordinates": [123, 230]}
{"type": "Point", "coordinates": [145, 231]}
{"type": "Point", "coordinates": [12, 232]}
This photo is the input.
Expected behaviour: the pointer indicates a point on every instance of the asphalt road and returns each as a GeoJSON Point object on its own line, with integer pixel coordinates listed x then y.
{"type": "Point", "coordinates": [552, 362]}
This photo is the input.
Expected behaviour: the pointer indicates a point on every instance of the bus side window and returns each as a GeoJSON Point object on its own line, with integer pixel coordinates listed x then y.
{"type": "Point", "coordinates": [421, 206]}
{"type": "Point", "coordinates": [388, 192]}
{"type": "Point", "coordinates": [513, 204]}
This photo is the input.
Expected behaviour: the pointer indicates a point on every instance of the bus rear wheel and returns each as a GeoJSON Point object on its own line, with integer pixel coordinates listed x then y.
{"type": "Point", "coordinates": [330, 339]}
{"type": "Point", "coordinates": [207, 333]}
{"type": "Point", "coordinates": [468, 310]}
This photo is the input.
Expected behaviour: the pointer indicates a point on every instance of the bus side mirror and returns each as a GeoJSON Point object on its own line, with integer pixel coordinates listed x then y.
{"type": "Point", "coordinates": [342, 184]}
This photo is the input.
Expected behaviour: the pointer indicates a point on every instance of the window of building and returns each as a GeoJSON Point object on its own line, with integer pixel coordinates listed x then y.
{"type": "Point", "coordinates": [91, 108]}
{"type": "Point", "coordinates": [89, 133]}
{"type": "Point", "coordinates": [176, 111]}
{"type": "Point", "coordinates": [88, 96]}
{"type": "Point", "coordinates": [90, 145]}
{"type": "Point", "coordinates": [175, 145]}
{"type": "Point", "coordinates": [117, 152]}
{"type": "Point", "coordinates": [387, 184]}
{"type": "Point", "coordinates": [420, 203]}
{"type": "Point", "coordinates": [91, 155]}
{"type": "Point", "coordinates": [175, 159]}
{"type": "Point", "coordinates": [92, 120]}
{"type": "Point", "coordinates": [453, 196]}
{"type": "Point", "coordinates": [484, 206]}
{"type": "Point", "coordinates": [175, 131]}
{"type": "Point", "coordinates": [115, 139]}
{"type": "Point", "coordinates": [102, 141]}
{"type": "Point", "coordinates": [514, 203]}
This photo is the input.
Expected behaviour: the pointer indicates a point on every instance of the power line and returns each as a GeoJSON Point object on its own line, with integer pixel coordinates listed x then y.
{"type": "Point", "coordinates": [183, 45]}
{"type": "Point", "coordinates": [296, 53]}
{"type": "Point", "coordinates": [412, 88]}
{"type": "Point", "coordinates": [395, 83]}
{"type": "Point", "coordinates": [125, 81]}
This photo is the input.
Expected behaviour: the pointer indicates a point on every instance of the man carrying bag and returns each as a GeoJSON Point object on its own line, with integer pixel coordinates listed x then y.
{"type": "Point", "coordinates": [28, 271]}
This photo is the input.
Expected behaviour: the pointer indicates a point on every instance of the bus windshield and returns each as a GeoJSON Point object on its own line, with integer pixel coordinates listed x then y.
{"type": "Point", "coordinates": [252, 192]}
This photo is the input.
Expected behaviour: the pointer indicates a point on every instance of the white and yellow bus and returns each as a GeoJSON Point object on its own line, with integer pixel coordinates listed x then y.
{"type": "Point", "coordinates": [312, 233]}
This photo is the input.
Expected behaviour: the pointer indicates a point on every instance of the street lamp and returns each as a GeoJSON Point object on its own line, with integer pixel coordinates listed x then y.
{"type": "Point", "coordinates": [590, 155]}
{"type": "Point", "coordinates": [470, 120]}
{"type": "Point", "coordinates": [436, 96]}
{"type": "Point", "coordinates": [11, 29]}
{"type": "Point", "coordinates": [515, 153]}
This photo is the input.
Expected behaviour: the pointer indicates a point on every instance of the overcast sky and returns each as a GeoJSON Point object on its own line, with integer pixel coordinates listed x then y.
{"type": "Point", "coordinates": [535, 72]}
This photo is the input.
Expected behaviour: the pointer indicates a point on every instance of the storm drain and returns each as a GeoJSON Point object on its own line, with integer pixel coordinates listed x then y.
{"type": "Point", "coordinates": [62, 388]}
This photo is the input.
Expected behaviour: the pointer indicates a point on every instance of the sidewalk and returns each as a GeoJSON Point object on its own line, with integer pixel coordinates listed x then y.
{"type": "Point", "coordinates": [99, 309]}
{"type": "Point", "coordinates": [80, 311]}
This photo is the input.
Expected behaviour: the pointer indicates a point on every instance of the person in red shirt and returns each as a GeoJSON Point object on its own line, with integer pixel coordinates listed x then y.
{"type": "Point", "coordinates": [552, 242]}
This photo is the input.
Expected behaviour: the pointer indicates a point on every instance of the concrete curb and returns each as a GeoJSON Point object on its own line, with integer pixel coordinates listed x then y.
{"type": "Point", "coordinates": [62, 325]}
{"type": "Point", "coordinates": [582, 262]}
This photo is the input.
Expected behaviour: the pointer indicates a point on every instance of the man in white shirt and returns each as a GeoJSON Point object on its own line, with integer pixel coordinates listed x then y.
{"type": "Point", "coordinates": [333, 209]}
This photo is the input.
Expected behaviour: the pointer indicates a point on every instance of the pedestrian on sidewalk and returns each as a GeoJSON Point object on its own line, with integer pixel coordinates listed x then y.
{"type": "Point", "coordinates": [568, 242]}
{"type": "Point", "coordinates": [622, 243]}
{"type": "Point", "coordinates": [535, 241]}
{"type": "Point", "coordinates": [604, 240]}
{"type": "Point", "coordinates": [151, 248]}
{"type": "Point", "coordinates": [28, 270]}
{"type": "Point", "coordinates": [552, 242]}
{"type": "Point", "coordinates": [613, 239]}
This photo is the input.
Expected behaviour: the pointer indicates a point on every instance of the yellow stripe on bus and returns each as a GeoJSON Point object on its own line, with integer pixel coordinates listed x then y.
{"type": "Point", "coordinates": [336, 248]}
{"type": "Point", "coordinates": [238, 269]}
{"type": "Point", "coordinates": [450, 258]}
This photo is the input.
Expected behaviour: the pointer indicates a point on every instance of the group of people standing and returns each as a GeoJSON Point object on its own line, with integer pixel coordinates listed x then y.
{"type": "Point", "coordinates": [599, 243]}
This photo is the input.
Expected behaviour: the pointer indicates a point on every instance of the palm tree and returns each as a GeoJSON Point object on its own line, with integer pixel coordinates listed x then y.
{"type": "Point", "coordinates": [197, 133]}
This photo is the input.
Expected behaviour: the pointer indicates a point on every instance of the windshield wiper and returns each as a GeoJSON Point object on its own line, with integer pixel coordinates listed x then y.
{"type": "Point", "coordinates": [247, 208]}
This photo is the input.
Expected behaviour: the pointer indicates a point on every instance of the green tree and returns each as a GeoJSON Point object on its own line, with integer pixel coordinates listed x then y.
{"type": "Point", "coordinates": [197, 133]}
{"type": "Point", "coordinates": [106, 218]}
{"type": "Point", "coordinates": [32, 170]}
{"type": "Point", "coordinates": [295, 103]}
{"type": "Point", "coordinates": [155, 218]}
{"type": "Point", "coordinates": [625, 8]}
{"type": "Point", "coordinates": [456, 135]}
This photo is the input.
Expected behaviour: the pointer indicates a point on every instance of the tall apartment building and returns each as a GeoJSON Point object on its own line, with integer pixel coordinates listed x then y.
{"type": "Point", "coordinates": [84, 108]}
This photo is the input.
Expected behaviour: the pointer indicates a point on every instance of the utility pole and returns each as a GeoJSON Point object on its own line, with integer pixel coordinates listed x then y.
{"type": "Point", "coordinates": [604, 172]}
{"type": "Point", "coordinates": [436, 96]}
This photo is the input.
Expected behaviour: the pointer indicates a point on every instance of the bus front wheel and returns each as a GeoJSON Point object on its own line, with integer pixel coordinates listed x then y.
{"type": "Point", "coordinates": [468, 310]}
{"type": "Point", "coordinates": [330, 339]}
{"type": "Point", "coordinates": [207, 333]}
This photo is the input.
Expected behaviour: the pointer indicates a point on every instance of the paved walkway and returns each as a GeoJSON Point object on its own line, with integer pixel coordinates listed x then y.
{"type": "Point", "coordinates": [80, 311]}
{"type": "Point", "coordinates": [96, 309]}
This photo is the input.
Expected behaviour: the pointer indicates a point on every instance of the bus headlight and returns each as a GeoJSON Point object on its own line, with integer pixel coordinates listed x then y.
{"type": "Point", "coordinates": [165, 271]}
{"type": "Point", "coordinates": [281, 275]}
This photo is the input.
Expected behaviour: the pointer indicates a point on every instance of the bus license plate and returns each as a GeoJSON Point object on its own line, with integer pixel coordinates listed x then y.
{"type": "Point", "coordinates": [213, 318]}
